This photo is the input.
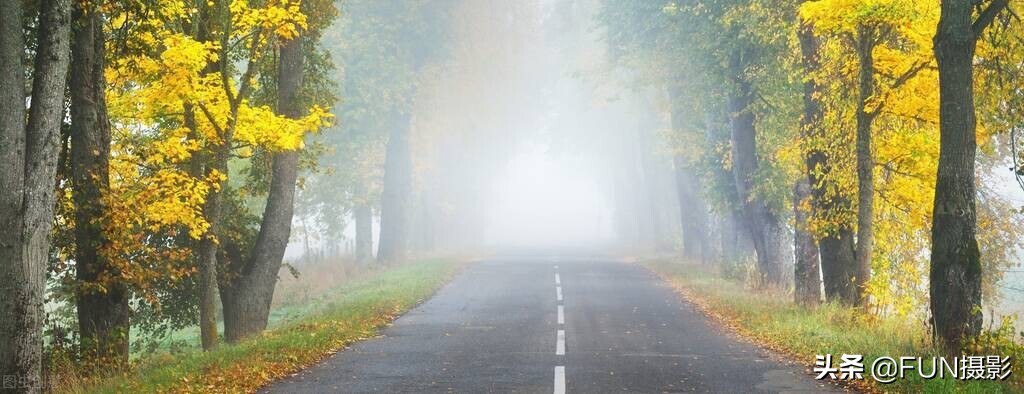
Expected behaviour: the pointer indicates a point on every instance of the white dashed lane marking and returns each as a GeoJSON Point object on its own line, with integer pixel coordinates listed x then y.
{"type": "Point", "coordinates": [560, 338]}
{"type": "Point", "coordinates": [559, 380]}
{"type": "Point", "coordinates": [560, 343]}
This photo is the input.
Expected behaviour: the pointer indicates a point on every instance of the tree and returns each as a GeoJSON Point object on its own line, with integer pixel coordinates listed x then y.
{"type": "Point", "coordinates": [414, 36]}
{"type": "Point", "coordinates": [694, 213]}
{"type": "Point", "coordinates": [835, 248]}
{"type": "Point", "coordinates": [27, 176]}
{"type": "Point", "coordinates": [186, 104]}
{"type": "Point", "coordinates": [249, 289]}
{"type": "Point", "coordinates": [881, 36]}
{"type": "Point", "coordinates": [232, 123]}
{"type": "Point", "coordinates": [739, 56]}
{"type": "Point", "coordinates": [693, 209]}
{"type": "Point", "coordinates": [807, 282]}
{"type": "Point", "coordinates": [102, 300]}
{"type": "Point", "coordinates": [364, 233]}
{"type": "Point", "coordinates": [722, 49]}
{"type": "Point", "coordinates": [955, 274]}
{"type": "Point", "coordinates": [763, 224]}
{"type": "Point", "coordinates": [396, 192]}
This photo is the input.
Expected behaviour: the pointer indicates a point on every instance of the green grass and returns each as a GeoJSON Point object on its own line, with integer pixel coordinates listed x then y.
{"type": "Point", "coordinates": [341, 316]}
{"type": "Point", "coordinates": [773, 320]}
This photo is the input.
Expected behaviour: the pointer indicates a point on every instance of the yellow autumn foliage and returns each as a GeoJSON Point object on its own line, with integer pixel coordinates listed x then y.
{"type": "Point", "coordinates": [152, 188]}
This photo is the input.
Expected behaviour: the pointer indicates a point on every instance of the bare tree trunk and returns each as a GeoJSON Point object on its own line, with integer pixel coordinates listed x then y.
{"type": "Point", "coordinates": [394, 211]}
{"type": "Point", "coordinates": [865, 161]}
{"type": "Point", "coordinates": [836, 247]}
{"type": "Point", "coordinates": [806, 274]}
{"type": "Point", "coordinates": [102, 315]}
{"type": "Point", "coordinates": [955, 285]}
{"type": "Point", "coordinates": [364, 233]}
{"type": "Point", "coordinates": [27, 173]}
{"type": "Point", "coordinates": [247, 295]}
{"type": "Point", "coordinates": [764, 226]}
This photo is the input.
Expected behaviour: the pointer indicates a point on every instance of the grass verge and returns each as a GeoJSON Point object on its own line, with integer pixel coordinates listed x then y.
{"type": "Point", "coordinates": [354, 311]}
{"type": "Point", "coordinates": [774, 321]}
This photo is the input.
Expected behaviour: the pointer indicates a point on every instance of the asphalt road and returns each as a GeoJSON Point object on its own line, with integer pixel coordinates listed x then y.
{"type": "Point", "coordinates": [497, 328]}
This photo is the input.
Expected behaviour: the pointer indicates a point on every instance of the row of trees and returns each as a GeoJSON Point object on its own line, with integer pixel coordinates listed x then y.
{"type": "Point", "coordinates": [156, 174]}
{"type": "Point", "coordinates": [177, 145]}
{"type": "Point", "coordinates": [851, 123]}
{"type": "Point", "coordinates": [385, 51]}
{"type": "Point", "coordinates": [153, 185]}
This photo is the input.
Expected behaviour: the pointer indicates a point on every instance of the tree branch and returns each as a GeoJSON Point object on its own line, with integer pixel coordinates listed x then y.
{"type": "Point", "coordinates": [988, 15]}
{"type": "Point", "coordinates": [910, 73]}
{"type": "Point", "coordinates": [209, 117]}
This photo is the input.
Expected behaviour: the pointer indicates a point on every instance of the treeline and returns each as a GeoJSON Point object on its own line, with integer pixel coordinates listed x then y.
{"type": "Point", "coordinates": [855, 130]}
{"type": "Point", "coordinates": [151, 155]}
{"type": "Point", "coordinates": [154, 182]}
{"type": "Point", "coordinates": [386, 51]}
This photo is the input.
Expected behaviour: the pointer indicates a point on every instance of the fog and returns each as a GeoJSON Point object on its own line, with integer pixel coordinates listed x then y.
{"type": "Point", "coordinates": [541, 200]}
{"type": "Point", "coordinates": [522, 135]}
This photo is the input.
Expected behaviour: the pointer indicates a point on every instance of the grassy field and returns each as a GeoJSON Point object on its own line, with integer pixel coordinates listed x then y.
{"type": "Point", "coordinates": [303, 330]}
{"type": "Point", "coordinates": [774, 321]}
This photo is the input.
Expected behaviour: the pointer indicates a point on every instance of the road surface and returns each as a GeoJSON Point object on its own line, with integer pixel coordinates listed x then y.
{"type": "Point", "coordinates": [552, 325]}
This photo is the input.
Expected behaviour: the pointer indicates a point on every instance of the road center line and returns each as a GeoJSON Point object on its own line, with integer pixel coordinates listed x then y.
{"type": "Point", "coordinates": [559, 380]}
{"type": "Point", "coordinates": [560, 339]}
{"type": "Point", "coordinates": [560, 343]}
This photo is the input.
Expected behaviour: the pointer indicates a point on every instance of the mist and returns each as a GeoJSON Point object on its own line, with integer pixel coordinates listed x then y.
{"type": "Point", "coordinates": [522, 136]}
{"type": "Point", "coordinates": [545, 201]}
{"type": "Point", "coordinates": [428, 193]}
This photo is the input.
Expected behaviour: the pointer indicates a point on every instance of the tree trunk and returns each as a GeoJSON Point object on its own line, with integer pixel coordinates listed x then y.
{"type": "Point", "coordinates": [207, 260]}
{"type": "Point", "coordinates": [728, 238]}
{"type": "Point", "coordinates": [764, 226]}
{"type": "Point", "coordinates": [836, 247]}
{"type": "Point", "coordinates": [426, 224]}
{"type": "Point", "coordinates": [693, 213]}
{"type": "Point", "coordinates": [206, 254]}
{"type": "Point", "coordinates": [635, 178]}
{"type": "Point", "coordinates": [27, 174]}
{"type": "Point", "coordinates": [806, 274]}
{"type": "Point", "coordinates": [955, 275]}
{"type": "Point", "coordinates": [734, 238]}
{"type": "Point", "coordinates": [199, 167]}
{"type": "Point", "coordinates": [865, 161]}
{"type": "Point", "coordinates": [394, 211]}
{"type": "Point", "coordinates": [656, 211]}
{"type": "Point", "coordinates": [102, 315]}
{"type": "Point", "coordinates": [364, 233]}
{"type": "Point", "coordinates": [249, 291]}
{"type": "Point", "coordinates": [247, 295]}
